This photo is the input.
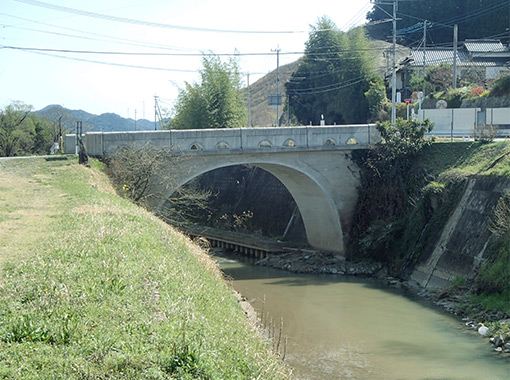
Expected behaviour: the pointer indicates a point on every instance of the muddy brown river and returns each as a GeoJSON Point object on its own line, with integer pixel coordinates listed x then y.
{"type": "Point", "coordinates": [345, 328]}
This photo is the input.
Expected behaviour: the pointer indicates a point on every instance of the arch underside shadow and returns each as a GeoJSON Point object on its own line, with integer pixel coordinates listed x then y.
{"type": "Point", "coordinates": [318, 210]}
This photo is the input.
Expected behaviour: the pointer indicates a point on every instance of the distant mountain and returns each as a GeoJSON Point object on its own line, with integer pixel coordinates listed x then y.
{"type": "Point", "coordinates": [106, 122]}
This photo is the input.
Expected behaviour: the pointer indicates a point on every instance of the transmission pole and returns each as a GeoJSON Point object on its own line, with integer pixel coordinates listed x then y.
{"type": "Point", "coordinates": [249, 106]}
{"type": "Point", "coordinates": [424, 59]}
{"type": "Point", "coordinates": [394, 73]}
{"type": "Point", "coordinates": [424, 44]}
{"type": "Point", "coordinates": [277, 84]}
{"type": "Point", "coordinates": [455, 43]}
{"type": "Point", "coordinates": [155, 112]}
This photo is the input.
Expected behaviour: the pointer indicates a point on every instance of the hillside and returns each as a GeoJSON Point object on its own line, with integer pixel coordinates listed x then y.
{"type": "Point", "coordinates": [106, 122]}
{"type": "Point", "coordinates": [264, 115]}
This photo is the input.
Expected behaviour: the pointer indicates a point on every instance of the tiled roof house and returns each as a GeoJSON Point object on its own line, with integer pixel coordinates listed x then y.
{"type": "Point", "coordinates": [482, 59]}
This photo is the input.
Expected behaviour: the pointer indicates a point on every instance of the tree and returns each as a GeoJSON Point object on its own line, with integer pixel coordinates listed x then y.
{"type": "Point", "coordinates": [215, 102]}
{"type": "Point", "coordinates": [476, 19]}
{"type": "Point", "coordinates": [11, 119]}
{"type": "Point", "coordinates": [141, 174]}
{"type": "Point", "coordinates": [333, 77]}
{"type": "Point", "coordinates": [376, 97]}
{"type": "Point", "coordinates": [22, 132]}
{"type": "Point", "coordinates": [440, 77]}
{"type": "Point", "coordinates": [387, 186]}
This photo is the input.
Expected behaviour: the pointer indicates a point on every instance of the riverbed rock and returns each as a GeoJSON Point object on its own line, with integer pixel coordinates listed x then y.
{"type": "Point", "coordinates": [319, 263]}
{"type": "Point", "coordinates": [498, 341]}
{"type": "Point", "coordinates": [483, 330]}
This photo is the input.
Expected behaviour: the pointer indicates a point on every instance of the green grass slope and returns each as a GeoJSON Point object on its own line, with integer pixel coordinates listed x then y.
{"type": "Point", "coordinates": [93, 287]}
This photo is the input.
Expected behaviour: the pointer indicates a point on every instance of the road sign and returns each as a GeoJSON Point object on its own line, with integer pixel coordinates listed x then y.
{"type": "Point", "coordinates": [275, 100]}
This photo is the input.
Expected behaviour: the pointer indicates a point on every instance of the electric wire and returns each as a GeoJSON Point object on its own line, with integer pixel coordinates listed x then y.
{"type": "Point", "coordinates": [112, 63]}
{"type": "Point", "coordinates": [118, 40]}
{"type": "Point", "coordinates": [149, 23]}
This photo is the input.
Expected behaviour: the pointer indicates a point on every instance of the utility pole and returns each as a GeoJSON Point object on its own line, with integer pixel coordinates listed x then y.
{"type": "Point", "coordinates": [455, 43]}
{"type": "Point", "coordinates": [424, 60]}
{"type": "Point", "coordinates": [424, 45]}
{"type": "Point", "coordinates": [135, 119]}
{"type": "Point", "coordinates": [394, 73]}
{"type": "Point", "coordinates": [249, 105]}
{"type": "Point", "coordinates": [288, 110]}
{"type": "Point", "coordinates": [155, 112]}
{"type": "Point", "coordinates": [60, 150]}
{"type": "Point", "coordinates": [277, 84]}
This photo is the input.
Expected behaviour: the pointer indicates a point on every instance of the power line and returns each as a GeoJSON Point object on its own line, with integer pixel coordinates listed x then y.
{"type": "Point", "coordinates": [108, 63]}
{"type": "Point", "coordinates": [148, 23]}
{"type": "Point", "coordinates": [320, 90]}
{"type": "Point", "coordinates": [117, 40]}
{"type": "Point", "coordinates": [203, 54]}
{"type": "Point", "coordinates": [460, 19]}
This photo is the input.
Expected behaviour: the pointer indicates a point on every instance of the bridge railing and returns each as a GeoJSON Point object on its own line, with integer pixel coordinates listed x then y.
{"type": "Point", "coordinates": [232, 139]}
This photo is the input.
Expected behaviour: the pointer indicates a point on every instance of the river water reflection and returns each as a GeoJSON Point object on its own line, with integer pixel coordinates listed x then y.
{"type": "Point", "coordinates": [345, 328]}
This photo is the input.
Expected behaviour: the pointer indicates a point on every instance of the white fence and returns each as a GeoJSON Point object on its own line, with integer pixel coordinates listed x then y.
{"type": "Point", "coordinates": [467, 122]}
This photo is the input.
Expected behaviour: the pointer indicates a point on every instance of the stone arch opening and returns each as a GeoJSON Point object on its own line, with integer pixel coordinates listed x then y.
{"type": "Point", "coordinates": [289, 143]}
{"type": "Point", "coordinates": [352, 141]}
{"type": "Point", "coordinates": [196, 146]}
{"type": "Point", "coordinates": [320, 215]}
{"type": "Point", "coordinates": [222, 145]}
{"type": "Point", "coordinates": [250, 200]}
{"type": "Point", "coordinates": [265, 144]}
{"type": "Point", "coordinates": [329, 142]}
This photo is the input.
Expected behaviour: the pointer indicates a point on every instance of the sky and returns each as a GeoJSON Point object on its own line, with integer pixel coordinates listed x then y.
{"type": "Point", "coordinates": [117, 55]}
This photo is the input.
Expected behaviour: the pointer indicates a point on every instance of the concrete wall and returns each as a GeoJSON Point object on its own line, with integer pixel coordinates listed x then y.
{"type": "Point", "coordinates": [235, 139]}
{"type": "Point", "coordinates": [462, 245]}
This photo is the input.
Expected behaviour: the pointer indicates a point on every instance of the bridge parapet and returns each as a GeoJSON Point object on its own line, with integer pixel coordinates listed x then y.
{"type": "Point", "coordinates": [233, 139]}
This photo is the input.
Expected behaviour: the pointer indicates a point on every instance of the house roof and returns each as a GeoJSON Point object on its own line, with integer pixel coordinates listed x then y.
{"type": "Point", "coordinates": [438, 56]}
{"type": "Point", "coordinates": [485, 46]}
{"type": "Point", "coordinates": [484, 53]}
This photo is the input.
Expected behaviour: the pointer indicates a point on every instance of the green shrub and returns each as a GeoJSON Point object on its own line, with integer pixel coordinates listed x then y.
{"type": "Point", "coordinates": [494, 275]}
{"type": "Point", "coordinates": [500, 87]}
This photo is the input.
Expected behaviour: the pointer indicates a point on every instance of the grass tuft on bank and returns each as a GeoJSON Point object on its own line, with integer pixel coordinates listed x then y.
{"type": "Point", "coordinates": [93, 287]}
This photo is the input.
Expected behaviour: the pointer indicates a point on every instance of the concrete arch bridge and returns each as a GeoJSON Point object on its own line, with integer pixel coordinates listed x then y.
{"type": "Point", "coordinates": [313, 163]}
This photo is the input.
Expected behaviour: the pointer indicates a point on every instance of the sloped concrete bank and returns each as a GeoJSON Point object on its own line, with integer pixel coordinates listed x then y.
{"type": "Point", "coordinates": [462, 245]}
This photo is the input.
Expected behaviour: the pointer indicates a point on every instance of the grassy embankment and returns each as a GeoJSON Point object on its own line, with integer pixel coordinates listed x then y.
{"type": "Point", "coordinates": [93, 287]}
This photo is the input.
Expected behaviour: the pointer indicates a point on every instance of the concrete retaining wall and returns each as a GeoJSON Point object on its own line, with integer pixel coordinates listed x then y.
{"type": "Point", "coordinates": [462, 245]}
